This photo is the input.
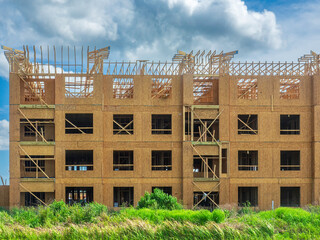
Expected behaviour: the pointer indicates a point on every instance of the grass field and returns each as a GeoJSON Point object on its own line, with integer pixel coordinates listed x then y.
{"type": "Point", "coordinates": [95, 221]}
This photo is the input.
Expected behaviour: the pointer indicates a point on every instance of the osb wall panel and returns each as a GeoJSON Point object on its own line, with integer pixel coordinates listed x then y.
{"type": "Point", "coordinates": [269, 124]}
{"type": "Point", "coordinates": [14, 123]}
{"type": "Point", "coordinates": [269, 86]}
{"type": "Point", "coordinates": [143, 160]}
{"type": "Point", "coordinates": [187, 91]}
{"type": "Point", "coordinates": [206, 113]}
{"type": "Point", "coordinates": [4, 196]}
{"type": "Point", "coordinates": [38, 150]}
{"type": "Point", "coordinates": [269, 191]}
{"type": "Point", "coordinates": [35, 186]}
{"type": "Point", "coordinates": [142, 122]}
{"type": "Point", "coordinates": [269, 160]}
{"type": "Point", "coordinates": [14, 88]}
{"type": "Point", "coordinates": [61, 148]}
{"type": "Point", "coordinates": [97, 135]}
{"type": "Point", "coordinates": [44, 113]}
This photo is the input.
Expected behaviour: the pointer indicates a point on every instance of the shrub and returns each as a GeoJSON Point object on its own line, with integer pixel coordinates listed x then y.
{"type": "Point", "coordinates": [158, 200]}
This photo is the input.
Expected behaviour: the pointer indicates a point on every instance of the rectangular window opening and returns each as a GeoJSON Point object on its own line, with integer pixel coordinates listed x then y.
{"type": "Point", "coordinates": [247, 89]}
{"type": "Point", "coordinates": [37, 92]}
{"type": "Point", "coordinates": [289, 124]}
{"type": "Point", "coordinates": [204, 91]}
{"type": "Point", "coordinates": [123, 124]}
{"type": "Point", "coordinates": [161, 87]}
{"type": "Point", "coordinates": [290, 197]}
{"type": "Point", "coordinates": [123, 196]}
{"type": "Point", "coordinates": [247, 124]}
{"type": "Point", "coordinates": [123, 88]}
{"type": "Point", "coordinates": [80, 195]}
{"type": "Point", "coordinates": [289, 88]}
{"type": "Point", "coordinates": [248, 196]}
{"type": "Point", "coordinates": [167, 190]}
{"type": "Point", "coordinates": [248, 160]}
{"type": "Point", "coordinates": [224, 161]}
{"type": "Point", "coordinates": [79, 123]}
{"type": "Point", "coordinates": [122, 160]}
{"type": "Point", "coordinates": [290, 160]}
{"type": "Point", "coordinates": [161, 160]}
{"type": "Point", "coordinates": [161, 124]}
{"type": "Point", "coordinates": [79, 160]}
{"type": "Point", "coordinates": [79, 87]}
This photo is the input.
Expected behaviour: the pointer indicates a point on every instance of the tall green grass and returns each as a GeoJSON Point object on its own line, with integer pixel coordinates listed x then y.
{"type": "Point", "coordinates": [95, 221]}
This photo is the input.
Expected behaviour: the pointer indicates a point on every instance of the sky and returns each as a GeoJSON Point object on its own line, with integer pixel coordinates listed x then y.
{"type": "Point", "coordinates": [265, 30]}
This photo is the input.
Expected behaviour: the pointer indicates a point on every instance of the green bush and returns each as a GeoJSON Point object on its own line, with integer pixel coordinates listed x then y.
{"type": "Point", "coordinates": [158, 200]}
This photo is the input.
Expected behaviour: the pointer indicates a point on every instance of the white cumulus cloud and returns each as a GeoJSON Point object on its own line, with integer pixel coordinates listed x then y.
{"type": "Point", "coordinates": [4, 134]}
{"type": "Point", "coordinates": [151, 30]}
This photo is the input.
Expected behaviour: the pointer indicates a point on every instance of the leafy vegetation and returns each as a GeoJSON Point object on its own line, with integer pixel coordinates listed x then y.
{"type": "Point", "coordinates": [95, 221]}
{"type": "Point", "coordinates": [158, 200]}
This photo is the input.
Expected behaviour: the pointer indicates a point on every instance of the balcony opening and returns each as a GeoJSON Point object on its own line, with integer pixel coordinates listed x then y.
{"type": "Point", "coordinates": [290, 160]}
{"type": "Point", "coordinates": [248, 196]}
{"type": "Point", "coordinates": [289, 88]}
{"type": "Point", "coordinates": [37, 130]}
{"type": "Point", "coordinates": [205, 90]}
{"type": "Point", "coordinates": [123, 124]}
{"type": "Point", "coordinates": [32, 201]}
{"type": "Point", "coordinates": [290, 197]}
{"type": "Point", "coordinates": [161, 88]}
{"type": "Point", "coordinates": [167, 190]}
{"type": "Point", "coordinates": [79, 160]}
{"type": "Point", "coordinates": [161, 160]}
{"type": "Point", "coordinates": [122, 160]}
{"type": "Point", "coordinates": [80, 195]}
{"type": "Point", "coordinates": [247, 124]}
{"type": "Point", "coordinates": [28, 168]}
{"type": "Point", "coordinates": [205, 200]}
{"type": "Point", "coordinates": [79, 123]}
{"type": "Point", "coordinates": [161, 124]}
{"type": "Point", "coordinates": [206, 130]}
{"type": "Point", "coordinates": [289, 124]}
{"type": "Point", "coordinates": [247, 89]}
{"type": "Point", "coordinates": [123, 88]}
{"type": "Point", "coordinates": [248, 160]}
{"type": "Point", "coordinates": [206, 166]}
{"type": "Point", "coordinates": [123, 196]}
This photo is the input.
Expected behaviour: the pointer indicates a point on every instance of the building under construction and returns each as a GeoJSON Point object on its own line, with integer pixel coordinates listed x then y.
{"type": "Point", "coordinates": [210, 131]}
